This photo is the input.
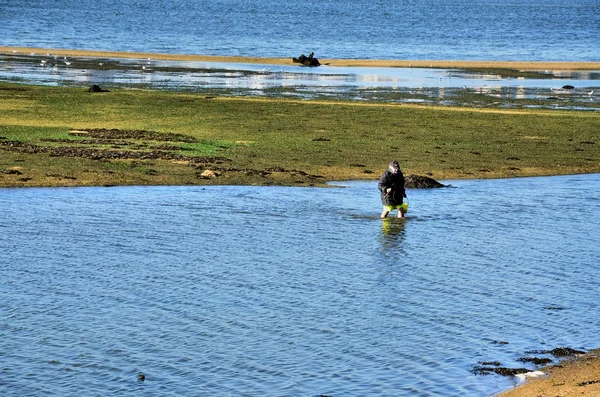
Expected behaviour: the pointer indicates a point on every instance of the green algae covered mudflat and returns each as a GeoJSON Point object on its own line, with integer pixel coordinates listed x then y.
{"type": "Point", "coordinates": [66, 136]}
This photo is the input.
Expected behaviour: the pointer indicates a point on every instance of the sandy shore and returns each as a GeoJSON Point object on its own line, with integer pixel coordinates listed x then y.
{"type": "Point", "coordinates": [578, 376]}
{"type": "Point", "coordinates": [518, 65]}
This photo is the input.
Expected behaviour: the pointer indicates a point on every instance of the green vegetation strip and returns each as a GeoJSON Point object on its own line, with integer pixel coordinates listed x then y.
{"type": "Point", "coordinates": [66, 136]}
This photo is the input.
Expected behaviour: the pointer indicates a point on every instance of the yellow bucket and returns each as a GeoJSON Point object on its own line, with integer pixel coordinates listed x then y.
{"type": "Point", "coordinates": [404, 207]}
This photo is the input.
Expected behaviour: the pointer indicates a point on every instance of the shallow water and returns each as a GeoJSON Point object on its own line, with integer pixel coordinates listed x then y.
{"type": "Point", "coordinates": [52, 70]}
{"type": "Point", "coordinates": [557, 30]}
{"type": "Point", "coordinates": [398, 85]}
{"type": "Point", "coordinates": [292, 291]}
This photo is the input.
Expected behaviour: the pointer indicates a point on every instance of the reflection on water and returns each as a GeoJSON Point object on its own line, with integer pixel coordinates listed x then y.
{"type": "Point", "coordinates": [360, 83]}
{"type": "Point", "coordinates": [393, 228]}
{"type": "Point", "coordinates": [235, 290]}
{"type": "Point", "coordinates": [392, 238]}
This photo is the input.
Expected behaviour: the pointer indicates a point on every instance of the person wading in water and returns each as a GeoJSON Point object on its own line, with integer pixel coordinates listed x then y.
{"type": "Point", "coordinates": [391, 186]}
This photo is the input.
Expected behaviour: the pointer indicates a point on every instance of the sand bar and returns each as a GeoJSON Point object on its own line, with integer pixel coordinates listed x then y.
{"type": "Point", "coordinates": [518, 65]}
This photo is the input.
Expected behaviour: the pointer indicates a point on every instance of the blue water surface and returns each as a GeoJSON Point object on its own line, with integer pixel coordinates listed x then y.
{"type": "Point", "coordinates": [278, 291]}
{"type": "Point", "coordinates": [530, 30]}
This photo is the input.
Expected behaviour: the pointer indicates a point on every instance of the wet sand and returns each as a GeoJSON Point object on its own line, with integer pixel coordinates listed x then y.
{"type": "Point", "coordinates": [578, 376]}
{"type": "Point", "coordinates": [331, 62]}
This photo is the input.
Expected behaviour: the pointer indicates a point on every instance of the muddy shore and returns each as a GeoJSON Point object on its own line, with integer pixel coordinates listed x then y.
{"type": "Point", "coordinates": [519, 65]}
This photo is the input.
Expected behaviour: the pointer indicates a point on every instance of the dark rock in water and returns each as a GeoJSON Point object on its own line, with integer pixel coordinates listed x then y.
{"type": "Point", "coordinates": [558, 352]}
{"type": "Point", "coordinates": [488, 363]}
{"type": "Point", "coordinates": [568, 87]}
{"type": "Point", "coordinates": [96, 88]}
{"type": "Point", "coordinates": [479, 370]}
{"type": "Point", "coordinates": [421, 182]}
{"type": "Point", "coordinates": [535, 360]}
{"type": "Point", "coordinates": [309, 60]}
{"type": "Point", "coordinates": [565, 352]}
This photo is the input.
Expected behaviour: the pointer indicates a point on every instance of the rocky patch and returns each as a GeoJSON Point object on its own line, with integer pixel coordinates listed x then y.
{"type": "Point", "coordinates": [504, 371]}
{"type": "Point", "coordinates": [309, 60]}
{"type": "Point", "coordinates": [421, 182]}
{"type": "Point", "coordinates": [489, 367]}
{"type": "Point", "coordinates": [558, 352]}
{"type": "Point", "coordinates": [96, 88]}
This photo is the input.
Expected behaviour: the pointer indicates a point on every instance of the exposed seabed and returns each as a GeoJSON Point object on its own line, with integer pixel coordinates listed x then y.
{"type": "Point", "coordinates": [473, 84]}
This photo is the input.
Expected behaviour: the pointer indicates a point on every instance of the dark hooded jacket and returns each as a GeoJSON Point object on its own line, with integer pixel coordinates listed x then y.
{"type": "Point", "coordinates": [396, 182]}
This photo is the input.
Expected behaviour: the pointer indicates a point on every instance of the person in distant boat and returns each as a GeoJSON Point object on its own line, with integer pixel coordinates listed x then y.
{"type": "Point", "coordinates": [391, 186]}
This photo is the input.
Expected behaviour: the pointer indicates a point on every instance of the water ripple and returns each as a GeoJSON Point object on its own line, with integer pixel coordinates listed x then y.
{"type": "Point", "coordinates": [521, 30]}
{"type": "Point", "coordinates": [279, 292]}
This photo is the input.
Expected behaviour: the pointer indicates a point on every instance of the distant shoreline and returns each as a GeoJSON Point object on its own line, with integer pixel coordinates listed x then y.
{"type": "Point", "coordinates": [519, 65]}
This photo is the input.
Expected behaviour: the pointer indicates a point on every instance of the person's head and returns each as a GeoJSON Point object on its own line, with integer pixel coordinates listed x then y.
{"type": "Point", "coordinates": [394, 167]}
